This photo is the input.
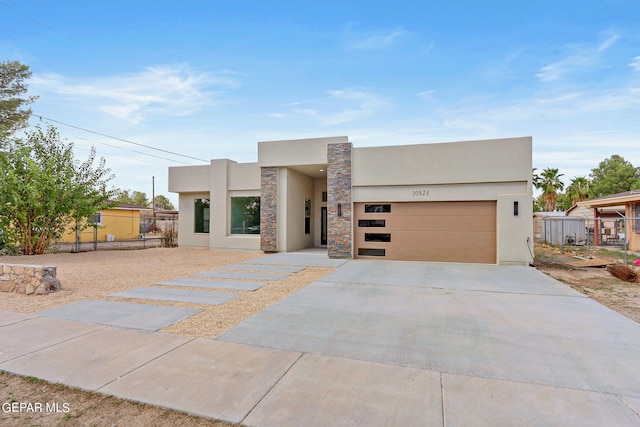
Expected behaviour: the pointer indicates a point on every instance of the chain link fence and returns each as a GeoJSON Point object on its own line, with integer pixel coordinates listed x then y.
{"type": "Point", "coordinates": [119, 231]}
{"type": "Point", "coordinates": [613, 232]}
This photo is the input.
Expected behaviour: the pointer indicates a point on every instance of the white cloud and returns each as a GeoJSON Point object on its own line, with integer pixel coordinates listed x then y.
{"type": "Point", "coordinates": [635, 64]}
{"type": "Point", "coordinates": [342, 106]}
{"type": "Point", "coordinates": [158, 90]}
{"type": "Point", "coordinates": [374, 41]}
{"type": "Point", "coordinates": [427, 95]}
{"type": "Point", "coordinates": [581, 56]}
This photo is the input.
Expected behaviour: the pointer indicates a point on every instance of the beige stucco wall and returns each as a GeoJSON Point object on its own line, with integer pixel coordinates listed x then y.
{"type": "Point", "coordinates": [189, 179]}
{"type": "Point", "coordinates": [244, 176]}
{"type": "Point", "coordinates": [293, 189]}
{"type": "Point", "coordinates": [437, 192]}
{"type": "Point", "coordinates": [514, 233]}
{"type": "Point", "coordinates": [219, 181]}
{"type": "Point", "coordinates": [296, 152]}
{"type": "Point", "coordinates": [228, 179]}
{"type": "Point", "coordinates": [497, 160]}
{"type": "Point", "coordinates": [186, 235]}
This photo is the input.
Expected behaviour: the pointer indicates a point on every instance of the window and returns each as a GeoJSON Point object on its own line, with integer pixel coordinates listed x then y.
{"type": "Point", "coordinates": [371, 223]}
{"type": "Point", "coordinates": [307, 216]}
{"type": "Point", "coordinates": [245, 215]}
{"type": "Point", "coordinates": [377, 208]}
{"type": "Point", "coordinates": [202, 218]}
{"type": "Point", "coordinates": [377, 237]}
{"type": "Point", "coordinates": [96, 219]}
{"type": "Point", "coordinates": [371, 252]}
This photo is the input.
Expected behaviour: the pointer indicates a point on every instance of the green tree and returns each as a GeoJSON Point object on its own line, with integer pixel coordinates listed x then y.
{"type": "Point", "coordinates": [578, 190]}
{"type": "Point", "coordinates": [549, 182]}
{"type": "Point", "coordinates": [129, 197]}
{"type": "Point", "coordinates": [12, 98]}
{"type": "Point", "coordinates": [163, 202]}
{"type": "Point", "coordinates": [614, 175]}
{"type": "Point", "coordinates": [44, 190]}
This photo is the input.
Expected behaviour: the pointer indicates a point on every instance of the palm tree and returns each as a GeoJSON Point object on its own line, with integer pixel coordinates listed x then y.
{"type": "Point", "coordinates": [579, 189]}
{"type": "Point", "coordinates": [549, 182]}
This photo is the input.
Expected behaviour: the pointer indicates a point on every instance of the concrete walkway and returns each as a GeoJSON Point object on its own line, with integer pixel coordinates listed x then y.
{"type": "Point", "coordinates": [374, 343]}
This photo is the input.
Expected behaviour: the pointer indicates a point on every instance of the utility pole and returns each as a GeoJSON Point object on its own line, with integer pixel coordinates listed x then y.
{"type": "Point", "coordinates": [153, 200]}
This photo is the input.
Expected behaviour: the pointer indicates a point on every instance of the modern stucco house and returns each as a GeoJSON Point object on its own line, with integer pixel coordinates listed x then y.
{"type": "Point", "coordinates": [462, 202]}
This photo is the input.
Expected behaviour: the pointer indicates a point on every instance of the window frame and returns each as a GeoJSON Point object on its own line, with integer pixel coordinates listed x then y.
{"type": "Point", "coordinates": [236, 218]}
{"type": "Point", "coordinates": [202, 218]}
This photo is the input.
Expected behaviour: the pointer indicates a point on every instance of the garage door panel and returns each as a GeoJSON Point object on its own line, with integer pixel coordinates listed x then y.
{"type": "Point", "coordinates": [459, 254]}
{"type": "Point", "coordinates": [449, 223]}
{"type": "Point", "coordinates": [444, 239]}
{"type": "Point", "coordinates": [444, 208]}
{"type": "Point", "coordinates": [430, 231]}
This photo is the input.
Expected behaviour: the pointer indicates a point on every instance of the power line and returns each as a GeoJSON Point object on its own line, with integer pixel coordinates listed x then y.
{"type": "Point", "coordinates": [119, 139]}
{"type": "Point", "coordinates": [27, 16]}
{"type": "Point", "coordinates": [135, 151]}
{"type": "Point", "coordinates": [114, 146]}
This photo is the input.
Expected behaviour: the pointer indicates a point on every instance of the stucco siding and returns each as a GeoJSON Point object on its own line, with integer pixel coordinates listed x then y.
{"type": "Point", "coordinates": [497, 160]}
{"type": "Point", "coordinates": [244, 176]}
{"type": "Point", "coordinates": [187, 237]}
{"type": "Point", "coordinates": [297, 152]}
{"type": "Point", "coordinates": [189, 179]}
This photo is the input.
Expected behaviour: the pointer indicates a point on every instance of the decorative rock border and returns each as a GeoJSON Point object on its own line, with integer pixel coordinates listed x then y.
{"type": "Point", "coordinates": [28, 279]}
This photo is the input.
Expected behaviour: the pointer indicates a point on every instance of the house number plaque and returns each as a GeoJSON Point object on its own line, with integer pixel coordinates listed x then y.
{"type": "Point", "coordinates": [418, 193]}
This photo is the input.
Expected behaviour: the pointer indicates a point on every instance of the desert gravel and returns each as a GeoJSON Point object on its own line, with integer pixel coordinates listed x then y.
{"type": "Point", "coordinates": [94, 275]}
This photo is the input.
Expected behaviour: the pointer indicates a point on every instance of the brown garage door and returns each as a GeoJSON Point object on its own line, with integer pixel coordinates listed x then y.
{"type": "Point", "coordinates": [426, 231]}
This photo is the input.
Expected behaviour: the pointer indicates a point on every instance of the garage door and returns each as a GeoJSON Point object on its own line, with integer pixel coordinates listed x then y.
{"type": "Point", "coordinates": [426, 231]}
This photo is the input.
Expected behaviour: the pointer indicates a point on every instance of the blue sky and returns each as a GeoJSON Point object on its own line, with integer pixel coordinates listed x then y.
{"type": "Point", "coordinates": [208, 79]}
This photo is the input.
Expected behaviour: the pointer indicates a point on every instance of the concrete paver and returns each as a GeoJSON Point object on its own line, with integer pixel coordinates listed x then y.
{"type": "Point", "coordinates": [322, 390]}
{"type": "Point", "coordinates": [38, 333]}
{"type": "Point", "coordinates": [479, 277]}
{"type": "Point", "coordinates": [121, 314]}
{"type": "Point", "coordinates": [632, 402]}
{"type": "Point", "coordinates": [207, 378]}
{"type": "Point", "coordinates": [92, 360]}
{"type": "Point", "coordinates": [486, 402]}
{"type": "Point", "coordinates": [182, 295]}
{"type": "Point", "coordinates": [7, 317]}
{"type": "Point", "coordinates": [203, 282]}
{"type": "Point", "coordinates": [265, 268]}
{"type": "Point", "coordinates": [306, 259]}
{"type": "Point", "coordinates": [240, 275]}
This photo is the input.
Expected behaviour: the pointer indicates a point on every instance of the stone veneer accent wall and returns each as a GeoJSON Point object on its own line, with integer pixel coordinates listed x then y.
{"type": "Point", "coordinates": [269, 209]}
{"type": "Point", "coordinates": [339, 228]}
{"type": "Point", "coordinates": [28, 279]}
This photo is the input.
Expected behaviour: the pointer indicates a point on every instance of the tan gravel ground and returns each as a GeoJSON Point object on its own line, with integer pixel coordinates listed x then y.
{"type": "Point", "coordinates": [94, 275]}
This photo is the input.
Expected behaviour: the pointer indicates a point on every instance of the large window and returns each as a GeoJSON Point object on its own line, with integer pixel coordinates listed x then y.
{"type": "Point", "coordinates": [202, 218]}
{"type": "Point", "coordinates": [245, 215]}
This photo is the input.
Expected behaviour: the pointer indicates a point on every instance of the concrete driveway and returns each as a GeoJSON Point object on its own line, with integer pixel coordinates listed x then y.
{"type": "Point", "coordinates": [471, 345]}
{"type": "Point", "coordinates": [374, 343]}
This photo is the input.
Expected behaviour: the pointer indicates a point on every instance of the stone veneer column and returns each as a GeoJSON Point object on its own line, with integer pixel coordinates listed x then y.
{"type": "Point", "coordinates": [269, 209]}
{"type": "Point", "coordinates": [339, 228]}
